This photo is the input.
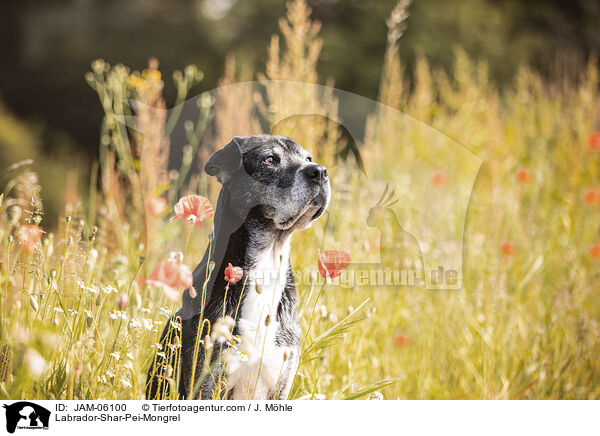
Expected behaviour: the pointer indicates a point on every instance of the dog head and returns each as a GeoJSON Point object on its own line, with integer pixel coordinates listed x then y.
{"type": "Point", "coordinates": [274, 177]}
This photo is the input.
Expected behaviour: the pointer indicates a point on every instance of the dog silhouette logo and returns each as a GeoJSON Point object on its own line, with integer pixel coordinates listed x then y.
{"type": "Point", "coordinates": [26, 415]}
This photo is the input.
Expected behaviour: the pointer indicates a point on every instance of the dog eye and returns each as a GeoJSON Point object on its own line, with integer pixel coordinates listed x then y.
{"type": "Point", "coordinates": [270, 160]}
{"type": "Point", "coordinates": [309, 158]}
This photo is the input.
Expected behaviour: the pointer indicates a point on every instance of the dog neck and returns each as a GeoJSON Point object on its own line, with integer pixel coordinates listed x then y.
{"type": "Point", "coordinates": [251, 242]}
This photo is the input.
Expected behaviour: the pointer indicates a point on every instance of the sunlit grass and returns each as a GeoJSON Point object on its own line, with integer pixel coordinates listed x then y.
{"type": "Point", "coordinates": [76, 324]}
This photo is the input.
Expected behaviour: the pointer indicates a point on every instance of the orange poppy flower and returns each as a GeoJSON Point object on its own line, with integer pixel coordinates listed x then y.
{"type": "Point", "coordinates": [193, 208]}
{"type": "Point", "coordinates": [29, 236]}
{"type": "Point", "coordinates": [440, 178]}
{"type": "Point", "coordinates": [233, 274]}
{"type": "Point", "coordinates": [508, 248]}
{"type": "Point", "coordinates": [401, 340]}
{"type": "Point", "coordinates": [592, 196]}
{"type": "Point", "coordinates": [594, 141]}
{"type": "Point", "coordinates": [172, 276]}
{"type": "Point", "coordinates": [595, 250]}
{"type": "Point", "coordinates": [332, 262]}
{"type": "Point", "coordinates": [156, 206]}
{"type": "Point", "coordinates": [524, 176]}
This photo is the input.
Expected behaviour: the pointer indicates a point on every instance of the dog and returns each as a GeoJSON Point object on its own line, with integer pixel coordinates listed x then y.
{"type": "Point", "coordinates": [270, 188]}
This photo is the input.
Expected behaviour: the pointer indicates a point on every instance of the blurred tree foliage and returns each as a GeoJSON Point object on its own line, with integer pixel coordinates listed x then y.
{"type": "Point", "coordinates": [47, 46]}
{"type": "Point", "coordinates": [57, 169]}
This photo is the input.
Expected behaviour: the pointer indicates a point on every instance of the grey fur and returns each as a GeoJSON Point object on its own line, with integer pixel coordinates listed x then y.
{"type": "Point", "coordinates": [271, 188]}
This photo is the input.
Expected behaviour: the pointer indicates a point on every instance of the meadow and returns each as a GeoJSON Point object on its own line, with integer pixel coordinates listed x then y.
{"type": "Point", "coordinates": [76, 321]}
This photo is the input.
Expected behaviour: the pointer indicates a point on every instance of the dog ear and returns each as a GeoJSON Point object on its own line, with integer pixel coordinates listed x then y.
{"type": "Point", "coordinates": [225, 161]}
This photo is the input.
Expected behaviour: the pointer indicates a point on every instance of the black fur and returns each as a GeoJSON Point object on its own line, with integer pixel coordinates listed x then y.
{"type": "Point", "coordinates": [269, 190]}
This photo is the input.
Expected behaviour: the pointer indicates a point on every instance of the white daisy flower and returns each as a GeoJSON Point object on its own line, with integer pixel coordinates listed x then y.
{"type": "Point", "coordinates": [109, 289]}
{"type": "Point", "coordinates": [375, 396]}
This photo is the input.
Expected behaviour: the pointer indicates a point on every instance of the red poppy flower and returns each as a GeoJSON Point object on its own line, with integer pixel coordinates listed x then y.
{"type": "Point", "coordinates": [592, 196]}
{"type": "Point", "coordinates": [401, 340]}
{"type": "Point", "coordinates": [595, 250]}
{"type": "Point", "coordinates": [29, 236]}
{"type": "Point", "coordinates": [332, 262]}
{"type": "Point", "coordinates": [156, 206]}
{"type": "Point", "coordinates": [508, 248]}
{"type": "Point", "coordinates": [193, 208]}
{"type": "Point", "coordinates": [233, 274]}
{"type": "Point", "coordinates": [594, 141]}
{"type": "Point", "coordinates": [172, 276]}
{"type": "Point", "coordinates": [524, 176]}
{"type": "Point", "coordinates": [439, 178]}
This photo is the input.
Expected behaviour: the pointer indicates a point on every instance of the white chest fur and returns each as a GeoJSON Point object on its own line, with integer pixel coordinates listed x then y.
{"type": "Point", "coordinates": [265, 291]}
{"type": "Point", "coordinates": [259, 376]}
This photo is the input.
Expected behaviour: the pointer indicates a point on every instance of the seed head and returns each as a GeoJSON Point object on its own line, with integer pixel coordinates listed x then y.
{"type": "Point", "coordinates": [33, 302]}
{"type": "Point", "coordinates": [122, 301]}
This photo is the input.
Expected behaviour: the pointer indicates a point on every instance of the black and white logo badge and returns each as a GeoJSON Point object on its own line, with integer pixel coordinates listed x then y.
{"type": "Point", "coordinates": [26, 415]}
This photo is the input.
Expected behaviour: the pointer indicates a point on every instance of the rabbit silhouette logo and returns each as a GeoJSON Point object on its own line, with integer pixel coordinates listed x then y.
{"type": "Point", "coordinates": [26, 415]}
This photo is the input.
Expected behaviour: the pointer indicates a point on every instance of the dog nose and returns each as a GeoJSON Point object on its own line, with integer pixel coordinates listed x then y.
{"type": "Point", "coordinates": [315, 172]}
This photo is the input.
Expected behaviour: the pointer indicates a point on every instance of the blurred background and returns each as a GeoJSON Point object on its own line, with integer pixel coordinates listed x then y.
{"type": "Point", "coordinates": [515, 82]}
{"type": "Point", "coordinates": [48, 111]}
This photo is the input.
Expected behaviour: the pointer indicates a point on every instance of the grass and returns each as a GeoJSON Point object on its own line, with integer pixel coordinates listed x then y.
{"type": "Point", "coordinates": [75, 324]}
